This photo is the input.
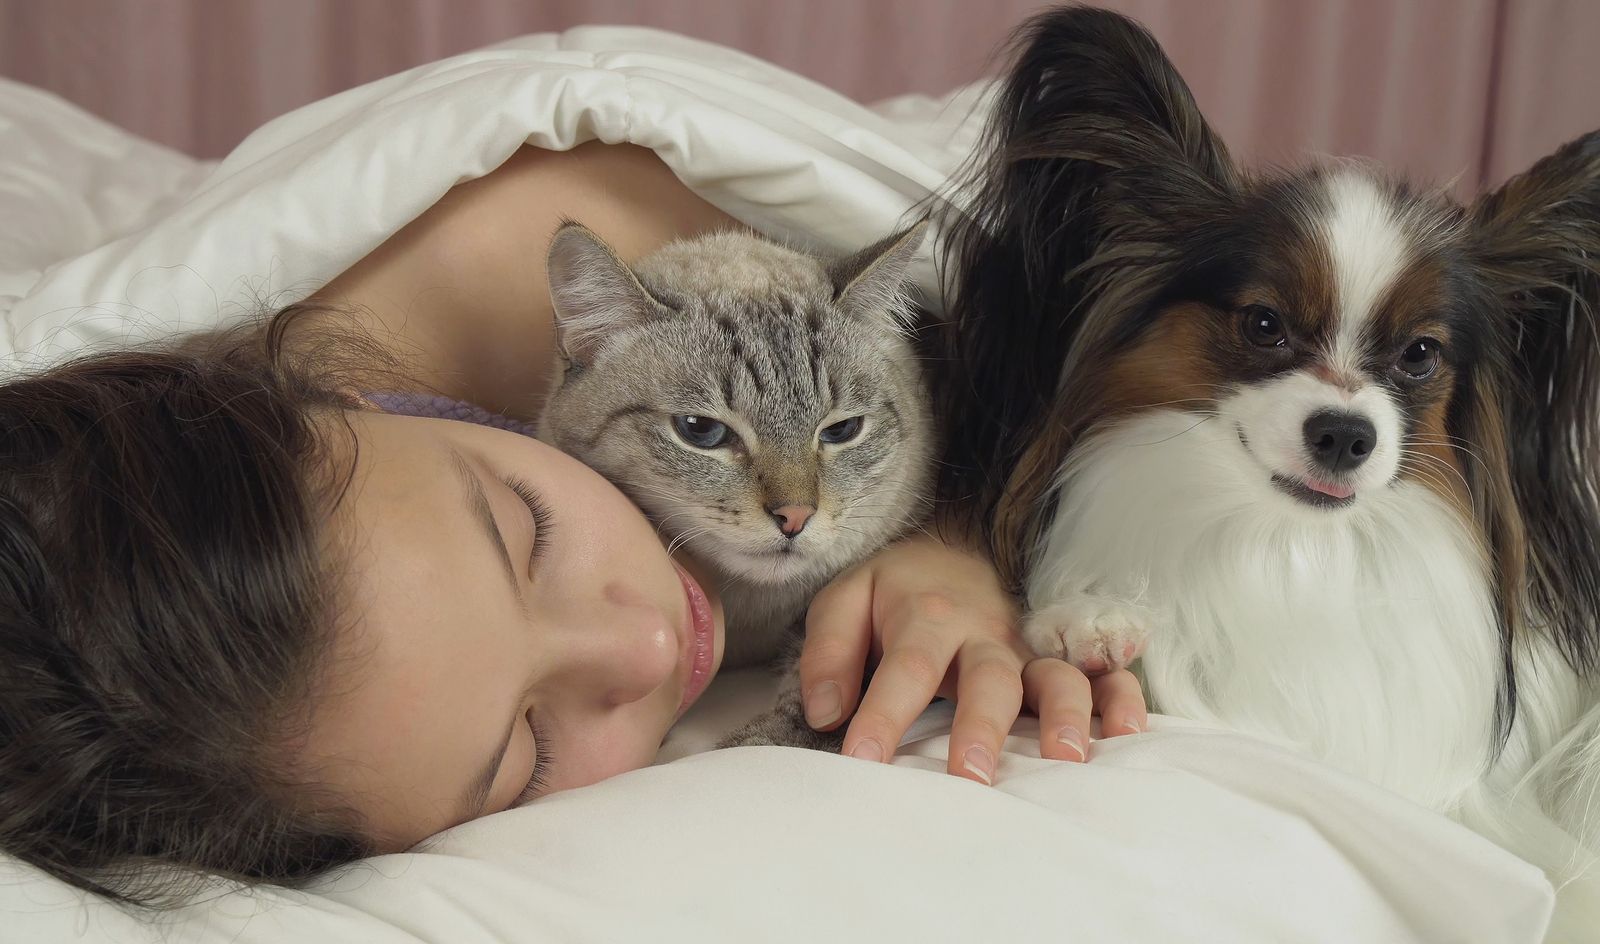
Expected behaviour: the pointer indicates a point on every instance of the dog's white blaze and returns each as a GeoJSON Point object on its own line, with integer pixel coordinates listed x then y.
{"type": "Point", "coordinates": [1368, 247]}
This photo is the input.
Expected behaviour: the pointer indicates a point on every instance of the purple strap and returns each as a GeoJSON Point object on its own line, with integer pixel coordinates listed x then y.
{"type": "Point", "coordinates": [444, 408]}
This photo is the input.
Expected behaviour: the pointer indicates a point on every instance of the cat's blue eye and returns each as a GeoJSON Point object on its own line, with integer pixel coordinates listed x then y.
{"type": "Point", "coordinates": [702, 432]}
{"type": "Point", "coordinates": [841, 432]}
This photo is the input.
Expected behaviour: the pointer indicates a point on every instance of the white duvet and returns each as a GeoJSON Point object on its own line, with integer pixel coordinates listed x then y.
{"type": "Point", "coordinates": [1180, 834]}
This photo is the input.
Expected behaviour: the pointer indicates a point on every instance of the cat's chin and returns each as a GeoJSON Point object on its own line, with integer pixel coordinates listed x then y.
{"type": "Point", "coordinates": [771, 567]}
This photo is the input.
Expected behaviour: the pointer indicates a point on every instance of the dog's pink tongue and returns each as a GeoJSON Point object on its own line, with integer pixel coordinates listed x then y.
{"type": "Point", "coordinates": [1330, 489]}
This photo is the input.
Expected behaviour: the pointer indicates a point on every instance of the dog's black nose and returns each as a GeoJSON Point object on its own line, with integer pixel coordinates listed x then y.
{"type": "Point", "coordinates": [1340, 442]}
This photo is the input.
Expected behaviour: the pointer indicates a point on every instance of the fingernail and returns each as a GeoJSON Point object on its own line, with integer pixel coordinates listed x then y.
{"type": "Point", "coordinates": [868, 749]}
{"type": "Point", "coordinates": [979, 762]}
{"type": "Point", "coordinates": [823, 705]}
{"type": "Point", "coordinates": [1133, 726]}
{"type": "Point", "coordinates": [1073, 739]}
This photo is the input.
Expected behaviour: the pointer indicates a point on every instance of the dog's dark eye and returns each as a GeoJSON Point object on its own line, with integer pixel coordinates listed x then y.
{"type": "Point", "coordinates": [1263, 327]}
{"type": "Point", "coordinates": [1421, 359]}
{"type": "Point", "coordinates": [842, 431]}
{"type": "Point", "coordinates": [701, 432]}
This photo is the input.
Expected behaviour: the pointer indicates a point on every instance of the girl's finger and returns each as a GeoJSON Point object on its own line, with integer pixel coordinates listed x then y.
{"type": "Point", "coordinates": [1119, 701]}
{"type": "Point", "coordinates": [1062, 698]}
{"type": "Point", "coordinates": [988, 699]}
{"type": "Point", "coordinates": [834, 657]}
{"type": "Point", "coordinates": [918, 648]}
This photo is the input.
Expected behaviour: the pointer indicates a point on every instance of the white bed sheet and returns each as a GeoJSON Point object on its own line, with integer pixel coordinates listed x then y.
{"type": "Point", "coordinates": [1180, 834]}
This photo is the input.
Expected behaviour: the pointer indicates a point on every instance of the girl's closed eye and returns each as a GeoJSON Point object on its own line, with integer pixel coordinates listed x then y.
{"type": "Point", "coordinates": [539, 512]}
{"type": "Point", "coordinates": [539, 779]}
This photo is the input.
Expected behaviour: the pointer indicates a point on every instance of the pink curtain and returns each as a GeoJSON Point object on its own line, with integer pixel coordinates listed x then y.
{"type": "Point", "coordinates": [1471, 90]}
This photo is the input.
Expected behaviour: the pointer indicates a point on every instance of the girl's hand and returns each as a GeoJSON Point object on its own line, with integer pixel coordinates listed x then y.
{"type": "Point", "coordinates": [942, 626]}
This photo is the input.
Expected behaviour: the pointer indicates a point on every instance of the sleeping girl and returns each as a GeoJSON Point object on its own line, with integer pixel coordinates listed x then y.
{"type": "Point", "coordinates": [263, 617]}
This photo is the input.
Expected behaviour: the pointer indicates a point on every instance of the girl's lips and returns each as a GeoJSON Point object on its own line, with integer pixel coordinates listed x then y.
{"type": "Point", "coordinates": [699, 648]}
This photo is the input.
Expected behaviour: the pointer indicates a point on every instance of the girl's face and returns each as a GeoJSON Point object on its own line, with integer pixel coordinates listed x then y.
{"type": "Point", "coordinates": [514, 628]}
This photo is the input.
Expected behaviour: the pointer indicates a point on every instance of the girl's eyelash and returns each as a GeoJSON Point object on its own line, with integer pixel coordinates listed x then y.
{"type": "Point", "coordinates": [540, 512]}
{"type": "Point", "coordinates": [541, 765]}
{"type": "Point", "coordinates": [542, 529]}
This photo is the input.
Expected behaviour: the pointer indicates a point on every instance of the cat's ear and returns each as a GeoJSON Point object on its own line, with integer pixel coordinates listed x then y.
{"type": "Point", "coordinates": [872, 282]}
{"type": "Point", "coordinates": [594, 292]}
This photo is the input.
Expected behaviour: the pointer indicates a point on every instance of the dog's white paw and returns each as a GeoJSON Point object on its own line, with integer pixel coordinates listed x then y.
{"type": "Point", "coordinates": [1096, 634]}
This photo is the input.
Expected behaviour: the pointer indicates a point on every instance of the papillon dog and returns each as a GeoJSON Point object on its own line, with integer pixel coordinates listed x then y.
{"type": "Point", "coordinates": [1318, 447]}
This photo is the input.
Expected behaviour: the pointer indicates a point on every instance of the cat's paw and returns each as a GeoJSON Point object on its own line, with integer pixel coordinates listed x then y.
{"type": "Point", "coordinates": [749, 736]}
{"type": "Point", "coordinates": [1096, 634]}
{"type": "Point", "coordinates": [783, 729]}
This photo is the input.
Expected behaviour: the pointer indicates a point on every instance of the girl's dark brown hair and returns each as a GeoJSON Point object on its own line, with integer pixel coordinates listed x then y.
{"type": "Point", "coordinates": [165, 602]}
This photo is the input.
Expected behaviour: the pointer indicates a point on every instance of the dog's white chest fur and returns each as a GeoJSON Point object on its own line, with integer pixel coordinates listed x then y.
{"type": "Point", "coordinates": [1365, 635]}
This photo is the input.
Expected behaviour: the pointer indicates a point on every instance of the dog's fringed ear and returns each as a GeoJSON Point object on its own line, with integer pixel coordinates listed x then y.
{"type": "Point", "coordinates": [1095, 150]}
{"type": "Point", "coordinates": [593, 291]}
{"type": "Point", "coordinates": [1537, 240]}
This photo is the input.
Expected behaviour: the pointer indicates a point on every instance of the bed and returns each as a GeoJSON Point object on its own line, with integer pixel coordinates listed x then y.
{"type": "Point", "coordinates": [1183, 833]}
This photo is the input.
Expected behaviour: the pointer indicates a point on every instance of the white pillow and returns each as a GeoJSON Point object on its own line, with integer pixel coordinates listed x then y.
{"type": "Point", "coordinates": [1181, 834]}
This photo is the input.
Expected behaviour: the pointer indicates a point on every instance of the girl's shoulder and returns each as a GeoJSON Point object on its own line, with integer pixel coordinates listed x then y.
{"type": "Point", "coordinates": [460, 294]}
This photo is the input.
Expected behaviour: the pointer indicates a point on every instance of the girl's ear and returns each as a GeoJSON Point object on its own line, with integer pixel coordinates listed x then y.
{"type": "Point", "coordinates": [1537, 242]}
{"type": "Point", "coordinates": [872, 282]}
{"type": "Point", "coordinates": [594, 292]}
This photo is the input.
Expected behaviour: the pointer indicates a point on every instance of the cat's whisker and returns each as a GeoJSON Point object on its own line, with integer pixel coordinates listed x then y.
{"type": "Point", "coordinates": [685, 538]}
{"type": "Point", "coordinates": [664, 525]}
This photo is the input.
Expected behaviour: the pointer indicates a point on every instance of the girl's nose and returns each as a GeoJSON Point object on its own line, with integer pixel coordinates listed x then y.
{"type": "Point", "coordinates": [624, 651]}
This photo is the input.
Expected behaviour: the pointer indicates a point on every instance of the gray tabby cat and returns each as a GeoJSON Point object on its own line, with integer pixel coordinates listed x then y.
{"type": "Point", "coordinates": [765, 409]}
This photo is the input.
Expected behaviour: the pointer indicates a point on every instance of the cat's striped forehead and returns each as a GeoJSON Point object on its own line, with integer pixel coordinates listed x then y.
{"type": "Point", "coordinates": [781, 354]}
{"type": "Point", "coordinates": [740, 324]}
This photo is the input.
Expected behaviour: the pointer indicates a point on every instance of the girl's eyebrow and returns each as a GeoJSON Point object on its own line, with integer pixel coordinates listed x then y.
{"type": "Point", "coordinates": [478, 504]}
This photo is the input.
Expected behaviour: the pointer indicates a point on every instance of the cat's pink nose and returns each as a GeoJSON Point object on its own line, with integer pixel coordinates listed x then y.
{"type": "Point", "coordinates": [791, 519]}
